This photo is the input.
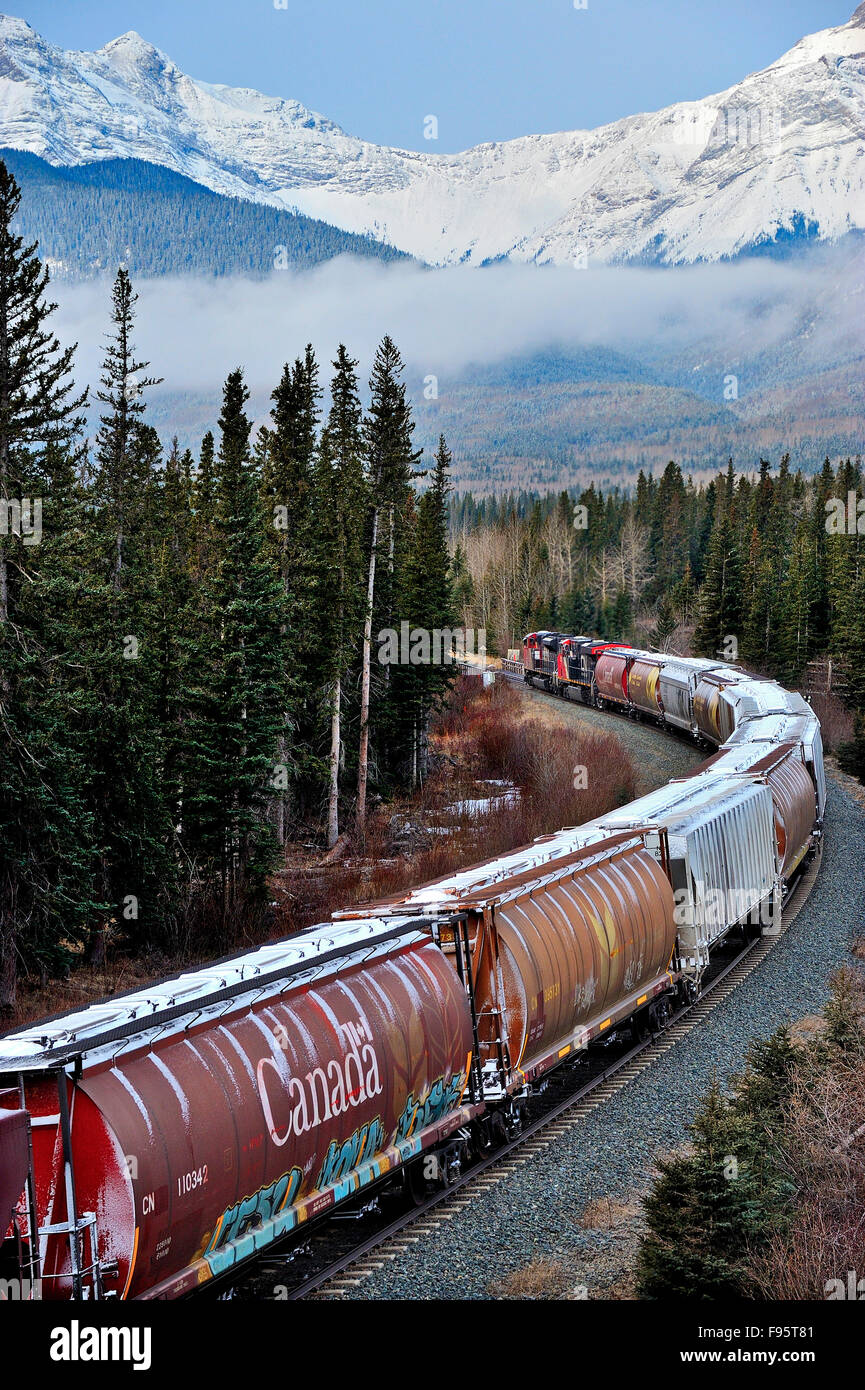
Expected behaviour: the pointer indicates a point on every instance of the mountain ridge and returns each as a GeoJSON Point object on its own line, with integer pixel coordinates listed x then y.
{"type": "Point", "coordinates": [696, 181]}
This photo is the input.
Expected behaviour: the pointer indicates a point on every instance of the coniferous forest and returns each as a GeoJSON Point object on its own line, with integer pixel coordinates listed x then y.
{"type": "Point", "coordinates": [88, 217]}
{"type": "Point", "coordinates": [766, 570]}
{"type": "Point", "coordinates": [188, 658]}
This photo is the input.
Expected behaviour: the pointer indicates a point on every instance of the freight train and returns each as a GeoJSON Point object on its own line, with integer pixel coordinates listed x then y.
{"type": "Point", "coordinates": [159, 1141]}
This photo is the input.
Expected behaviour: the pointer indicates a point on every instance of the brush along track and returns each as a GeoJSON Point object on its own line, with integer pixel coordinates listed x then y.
{"type": "Point", "coordinates": [350, 1271]}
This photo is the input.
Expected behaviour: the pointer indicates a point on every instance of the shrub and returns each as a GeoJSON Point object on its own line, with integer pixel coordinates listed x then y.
{"type": "Point", "coordinates": [769, 1203]}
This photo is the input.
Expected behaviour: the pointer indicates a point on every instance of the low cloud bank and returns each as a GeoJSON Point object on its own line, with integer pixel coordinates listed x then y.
{"type": "Point", "coordinates": [195, 331]}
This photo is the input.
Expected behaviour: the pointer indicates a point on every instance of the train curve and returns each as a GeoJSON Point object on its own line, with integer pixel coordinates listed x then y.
{"type": "Point", "coordinates": [178, 1132]}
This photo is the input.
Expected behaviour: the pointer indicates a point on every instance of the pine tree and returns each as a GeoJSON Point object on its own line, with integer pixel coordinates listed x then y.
{"type": "Point", "coordinates": [427, 601]}
{"type": "Point", "coordinates": [764, 1088]}
{"type": "Point", "coordinates": [720, 614]}
{"type": "Point", "coordinates": [821, 618]}
{"type": "Point", "coordinates": [236, 684]}
{"type": "Point", "coordinates": [287, 472]}
{"type": "Point", "coordinates": [288, 451]}
{"type": "Point", "coordinates": [621, 618]}
{"type": "Point", "coordinates": [204, 505]}
{"type": "Point", "coordinates": [339, 523]}
{"type": "Point", "coordinates": [119, 484]}
{"type": "Point", "coordinates": [123, 745]}
{"type": "Point", "coordinates": [684, 596]}
{"type": "Point", "coordinates": [668, 545]}
{"type": "Point", "coordinates": [391, 460]}
{"type": "Point", "coordinates": [794, 635]}
{"type": "Point", "coordinates": [39, 411]}
{"type": "Point", "coordinates": [693, 1242]}
{"type": "Point", "coordinates": [55, 864]}
{"type": "Point", "coordinates": [665, 624]}
{"type": "Point", "coordinates": [708, 1210]}
{"type": "Point", "coordinates": [760, 601]}
{"type": "Point", "coordinates": [846, 591]}
{"type": "Point", "coordinates": [579, 613]}
{"type": "Point", "coordinates": [851, 754]}
{"type": "Point", "coordinates": [173, 626]}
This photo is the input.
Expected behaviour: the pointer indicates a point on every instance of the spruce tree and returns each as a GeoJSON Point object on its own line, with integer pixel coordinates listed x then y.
{"type": "Point", "coordinates": [123, 745]}
{"type": "Point", "coordinates": [119, 485]}
{"type": "Point", "coordinates": [684, 597]}
{"type": "Point", "coordinates": [338, 527]}
{"type": "Point", "coordinates": [668, 544]}
{"type": "Point", "coordinates": [665, 624]}
{"type": "Point", "coordinates": [204, 506]}
{"type": "Point", "coordinates": [799, 589]}
{"type": "Point", "coordinates": [709, 1209]}
{"type": "Point", "coordinates": [391, 460]}
{"type": "Point", "coordinates": [174, 631]}
{"type": "Point", "coordinates": [288, 450]}
{"type": "Point", "coordinates": [39, 411]}
{"type": "Point", "coordinates": [235, 684]}
{"type": "Point", "coordinates": [578, 611]}
{"type": "Point", "coordinates": [720, 612]}
{"type": "Point", "coordinates": [53, 856]}
{"type": "Point", "coordinates": [846, 591]}
{"type": "Point", "coordinates": [820, 618]}
{"type": "Point", "coordinates": [427, 602]}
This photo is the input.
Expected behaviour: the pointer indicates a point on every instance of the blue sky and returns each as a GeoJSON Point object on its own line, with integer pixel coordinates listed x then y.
{"type": "Point", "coordinates": [487, 69]}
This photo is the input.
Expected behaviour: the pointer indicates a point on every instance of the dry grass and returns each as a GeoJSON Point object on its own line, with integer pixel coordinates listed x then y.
{"type": "Point", "coordinates": [87, 985]}
{"type": "Point", "coordinates": [805, 1030]}
{"type": "Point", "coordinates": [541, 1279]}
{"type": "Point", "coordinates": [607, 1214]}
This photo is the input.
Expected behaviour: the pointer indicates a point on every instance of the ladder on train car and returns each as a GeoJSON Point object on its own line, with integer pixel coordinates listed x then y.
{"type": "Point", "coordinates": [463, 958]}
{"type": "Point", "coordinates": [80, 1229]}
{"type": "Point", "coordinates": [487, 1078]}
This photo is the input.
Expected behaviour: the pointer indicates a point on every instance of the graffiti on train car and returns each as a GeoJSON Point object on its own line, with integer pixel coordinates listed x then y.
{"type": "Point", "coordinates": [341, 1158]}
{"type": "Point", "coordinates": [253, 1211]}
{"type": "Point", "coordinates": [440, 1098]}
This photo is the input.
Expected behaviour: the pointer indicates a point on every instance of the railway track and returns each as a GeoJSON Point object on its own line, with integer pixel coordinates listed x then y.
{"type": "Point", "coordinates": [347, 1270]}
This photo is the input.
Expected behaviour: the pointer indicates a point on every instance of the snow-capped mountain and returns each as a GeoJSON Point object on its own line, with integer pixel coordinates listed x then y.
{"type": "Point", "coordinates": [780, 154]}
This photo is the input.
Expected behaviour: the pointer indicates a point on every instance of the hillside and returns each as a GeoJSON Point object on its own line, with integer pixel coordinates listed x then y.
{"type": "Point", "coordinates": [88, 218]}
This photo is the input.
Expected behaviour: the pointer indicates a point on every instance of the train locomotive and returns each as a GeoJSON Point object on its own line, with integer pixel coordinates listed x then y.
{"type": "Point", "coordinates": [154, 1144]}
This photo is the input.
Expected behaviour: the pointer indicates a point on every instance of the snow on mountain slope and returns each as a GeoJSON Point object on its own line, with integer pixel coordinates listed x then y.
{"type": "Point", "coordinates": [781, 152]}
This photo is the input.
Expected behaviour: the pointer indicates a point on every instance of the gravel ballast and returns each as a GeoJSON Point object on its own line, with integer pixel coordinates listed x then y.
{"type": "Point", "coordinates": [535, 1214]}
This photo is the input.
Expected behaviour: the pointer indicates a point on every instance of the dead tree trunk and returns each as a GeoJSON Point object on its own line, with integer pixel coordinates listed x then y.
{"type": "Point", "coordinates": [333, 797]}
{"type": "Point", "coordinates": [363, 759]}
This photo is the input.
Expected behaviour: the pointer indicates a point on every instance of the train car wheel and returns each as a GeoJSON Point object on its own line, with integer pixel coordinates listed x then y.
{"type": "Point", "coordinates": [660, 1013]}
{"type": "Point", "coordinates": [415, 1183]}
